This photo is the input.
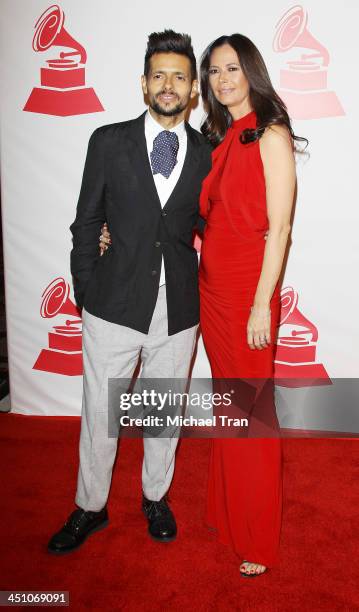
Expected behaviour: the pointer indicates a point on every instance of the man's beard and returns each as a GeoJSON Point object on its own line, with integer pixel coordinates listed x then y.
{"type": "Point", "coordinates": [167, 113]}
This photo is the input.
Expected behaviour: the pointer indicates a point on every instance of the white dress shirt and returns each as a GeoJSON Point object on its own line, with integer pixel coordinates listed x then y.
{"type": "Point", "coordinates": [165, 186]}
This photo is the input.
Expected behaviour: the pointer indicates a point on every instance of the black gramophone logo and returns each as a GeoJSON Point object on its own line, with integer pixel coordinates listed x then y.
{"type": "Point", "coordinates": [63, 91]}
{"type": "Point", "coordinates": [64, 352]}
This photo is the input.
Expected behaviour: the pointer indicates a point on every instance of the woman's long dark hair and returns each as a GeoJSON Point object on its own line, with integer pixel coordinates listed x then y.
{"type": "Point", "coordinates": [266, 103]}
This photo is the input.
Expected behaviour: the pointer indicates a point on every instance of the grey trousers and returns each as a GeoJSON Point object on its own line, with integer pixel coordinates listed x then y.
{"type": "Point", "coordinates": [112, 351]}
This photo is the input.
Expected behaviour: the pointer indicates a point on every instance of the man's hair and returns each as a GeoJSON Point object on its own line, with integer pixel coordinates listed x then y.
{"type": "Point", "coordinates": [170, 42]}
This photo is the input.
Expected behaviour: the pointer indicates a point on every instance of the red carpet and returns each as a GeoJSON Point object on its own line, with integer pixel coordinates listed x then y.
{"type": "Point", "coordinates": [120, 568]}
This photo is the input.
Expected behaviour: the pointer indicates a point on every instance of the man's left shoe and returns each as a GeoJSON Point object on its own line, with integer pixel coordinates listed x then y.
{"type": "Point", "coordinates": [161, 521]}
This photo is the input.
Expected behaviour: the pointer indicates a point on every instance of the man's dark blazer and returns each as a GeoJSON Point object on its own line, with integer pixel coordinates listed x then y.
{"type": "Point", "coordinates": [118, 187]}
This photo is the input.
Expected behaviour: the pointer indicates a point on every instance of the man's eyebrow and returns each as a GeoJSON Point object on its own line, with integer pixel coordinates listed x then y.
{"type": "Point", "coordinates": [164, 71]}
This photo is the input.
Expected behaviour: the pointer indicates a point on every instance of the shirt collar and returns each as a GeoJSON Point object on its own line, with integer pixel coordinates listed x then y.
{"type": "Point", "coordinates": [153, 128]}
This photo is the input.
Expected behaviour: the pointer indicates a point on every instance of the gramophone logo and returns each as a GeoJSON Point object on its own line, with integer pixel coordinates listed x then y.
{"type": "Point", "coordinates": [64, 352]}
{"type": "Point", "coordinates": [63, 91]}
{"type": "Point", "coordinates": [303, 85]}
{"type": "Point", "coordinates": [295, 362]}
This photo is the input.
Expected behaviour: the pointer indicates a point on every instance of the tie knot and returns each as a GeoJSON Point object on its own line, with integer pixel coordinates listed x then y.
{"type": "Point", "coordinates": [167, 139]}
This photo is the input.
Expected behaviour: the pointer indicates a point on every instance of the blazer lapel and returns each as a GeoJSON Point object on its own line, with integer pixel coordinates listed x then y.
{"type": "Point", "coordinates": [189, 169]}
{"type": "Point", "coordinates": [137, 149]}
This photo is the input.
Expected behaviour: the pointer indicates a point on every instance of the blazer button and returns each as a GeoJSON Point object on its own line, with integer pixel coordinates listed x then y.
{"type": "Point", "coordinates": [164, 214]}
{"type": "Point", "coordinates": [154, 272]}
{"type": "Point", "coordinates": [157, 244]}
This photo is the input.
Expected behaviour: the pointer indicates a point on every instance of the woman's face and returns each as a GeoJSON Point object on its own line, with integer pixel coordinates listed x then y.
{"type": "Point", "coordinates": [227, 80]}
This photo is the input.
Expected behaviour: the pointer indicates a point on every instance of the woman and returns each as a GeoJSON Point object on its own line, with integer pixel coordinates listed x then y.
{"type": "Point", "coordinates": [247, 201]}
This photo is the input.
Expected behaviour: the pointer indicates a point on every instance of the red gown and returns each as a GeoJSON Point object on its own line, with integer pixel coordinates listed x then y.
{"type": "Point", "coordinates": [245, 477]}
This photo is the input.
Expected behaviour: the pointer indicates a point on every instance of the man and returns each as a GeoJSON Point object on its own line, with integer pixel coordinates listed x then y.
{"type": "Point", "coordinates": [143, 177]}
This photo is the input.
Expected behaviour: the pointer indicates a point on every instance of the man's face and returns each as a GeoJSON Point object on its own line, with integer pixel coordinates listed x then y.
{"type": "Point", "coordinates": [168, 85]}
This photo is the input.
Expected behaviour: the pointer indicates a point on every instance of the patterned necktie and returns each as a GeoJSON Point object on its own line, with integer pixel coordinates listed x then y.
{"type": "Point", "coordinates": [164, 154]}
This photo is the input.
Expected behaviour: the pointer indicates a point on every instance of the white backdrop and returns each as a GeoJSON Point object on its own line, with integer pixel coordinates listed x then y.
{"type": "Point", "coordinates": [42, 157]}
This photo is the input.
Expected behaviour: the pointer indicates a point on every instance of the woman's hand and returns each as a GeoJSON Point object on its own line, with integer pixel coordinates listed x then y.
{"type": "Point", "coordinates": [105, 239]}
{"type": "Point", "coordinates": [258, 327]}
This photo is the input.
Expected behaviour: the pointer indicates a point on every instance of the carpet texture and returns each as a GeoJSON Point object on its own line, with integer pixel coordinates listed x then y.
{"type": "Point", "coordinates": [121, 568]}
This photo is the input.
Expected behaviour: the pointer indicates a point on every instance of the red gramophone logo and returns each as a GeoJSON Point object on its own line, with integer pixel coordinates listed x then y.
{"type": "Point", "coordinates": [303, 85]}
{"type": "Point", "coordinates": [64, 353]}
{"type": "Point", "coordinates": [295, 362]}
{"type": "Point", "coordinates": [62, 92]}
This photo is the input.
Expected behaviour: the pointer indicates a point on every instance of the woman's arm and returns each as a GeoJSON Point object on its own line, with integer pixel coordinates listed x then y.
{"type": "Point", "coordinates": [277, 155]}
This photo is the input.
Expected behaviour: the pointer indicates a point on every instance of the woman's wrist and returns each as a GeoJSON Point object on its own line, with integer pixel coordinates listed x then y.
{"type": "Point", "coordinates": [261, 305]}
{"type": "Point", "coordinates": [261, 309]}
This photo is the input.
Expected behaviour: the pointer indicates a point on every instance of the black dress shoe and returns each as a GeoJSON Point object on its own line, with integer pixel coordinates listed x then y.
{"type": "Point", "coordinates": [161, 522]}
{"type": "Point", "coordinates": [76, 530]}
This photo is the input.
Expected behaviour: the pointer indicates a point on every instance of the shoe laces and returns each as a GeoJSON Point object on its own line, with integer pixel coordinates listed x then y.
{"type": "Point", "coordinates": [76, 519]}
{"type": "Point", "coordinates": [157, 508]}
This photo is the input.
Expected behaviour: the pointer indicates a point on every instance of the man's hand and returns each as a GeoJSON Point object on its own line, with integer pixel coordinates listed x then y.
{"type": "Point", "coordinates": [105, 239]}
